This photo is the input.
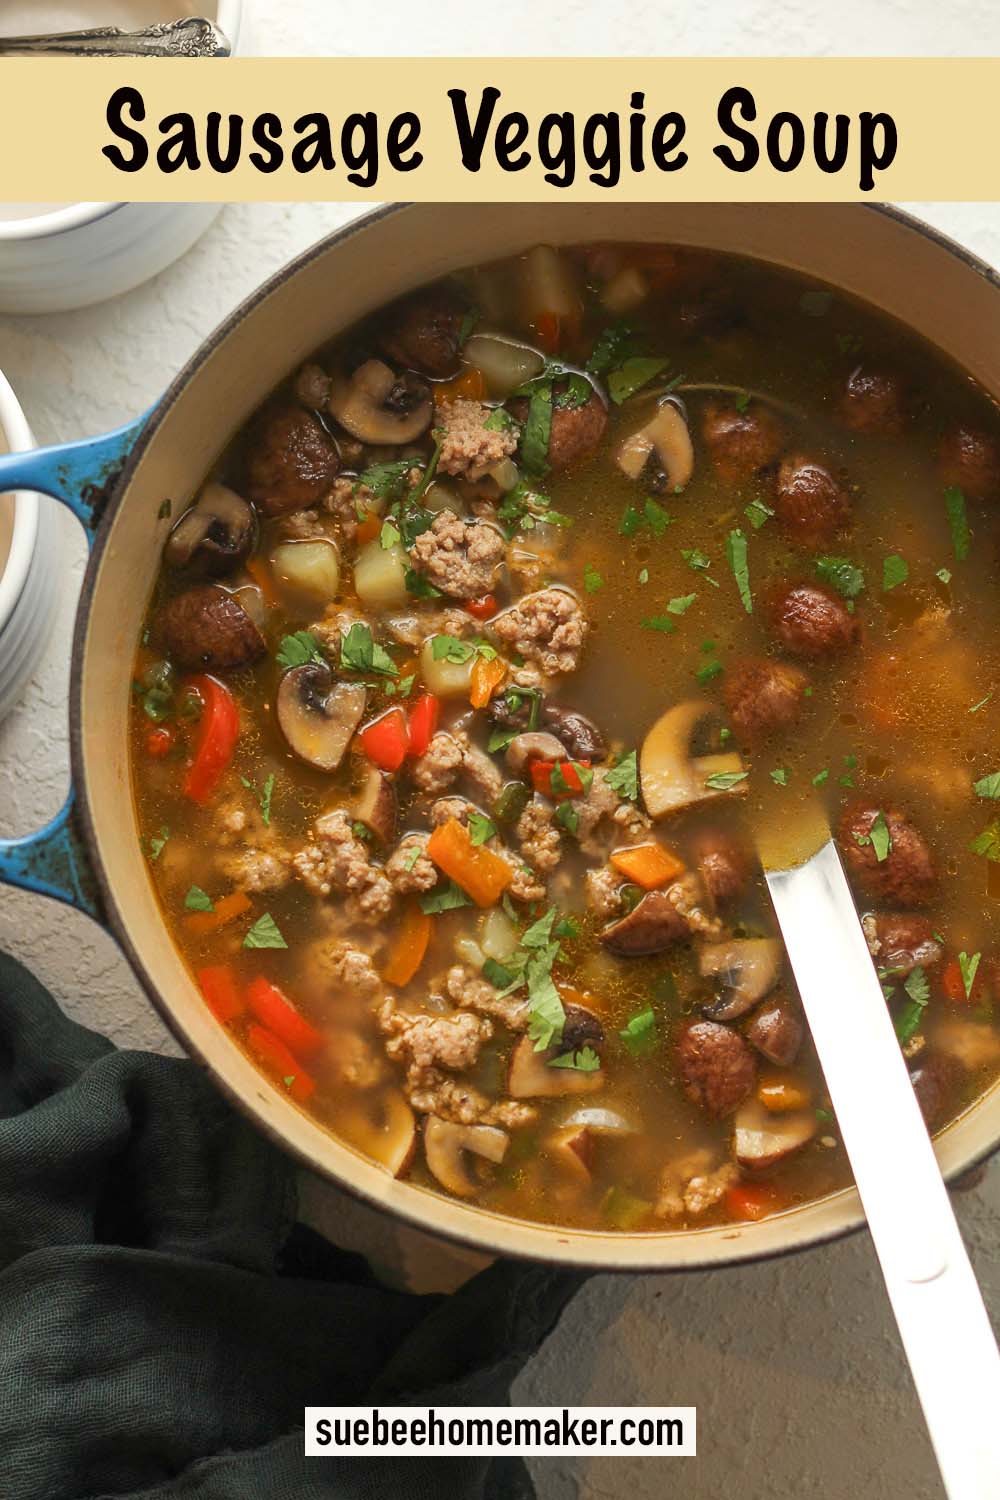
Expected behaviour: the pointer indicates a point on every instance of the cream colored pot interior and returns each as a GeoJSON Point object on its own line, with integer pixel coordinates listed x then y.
{"type": "Point", "coordinates": [881, 258]}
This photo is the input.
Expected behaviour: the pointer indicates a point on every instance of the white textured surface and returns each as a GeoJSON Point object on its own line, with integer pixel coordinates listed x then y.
{"type": "Point", "coordinates": [794, 1365]}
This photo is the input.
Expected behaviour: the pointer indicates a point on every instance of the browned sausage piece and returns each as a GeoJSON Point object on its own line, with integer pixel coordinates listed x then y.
{"type": "Point", "coordinates": [776, 1030]}
{"type": "Point", "coordinates": [901, 941]}
{"type": "Point", "coordinates": [872, 402]}
{"type": "Point", "coordinates": [970, 459]}
{"type": "Point", "coordinates": [716, 1067]}
{"type": "Point", "coordinates": [425, 334]}
{"type": "Point", "coordinates": [741, 443]}
{"type": "Point", "coordinates": [722, 864]}
{"type": "Point", "coordinates": [209, 630]}
{"type": "Point", "coordinates": [292, 461]}
{"type": "Point", "coordinates": [576, 430]}
{"type": "Point", "coordinates": [906, 875]}
{"type": "Point", "coordinates": [811, 621]}
{"type": "Point", "coordinates": [763, 696]}
{"type": "Point", "coordinates": [811, 505]}
{"type": "Point", "coordinates": [936, 1081]}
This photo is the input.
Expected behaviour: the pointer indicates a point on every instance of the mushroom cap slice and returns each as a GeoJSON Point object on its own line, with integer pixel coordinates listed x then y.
{"type": "Point", "coordinates": [445, 1145]}
{"type": "Point", "coordinates": [380, 407]}
{"type": "Point", "coordinates": [600, 1120]}
{"type": "Point", "coordinates": [748, 969]}
{"type": "Point", "coordinates": [536, 744]}
{"type": "Point", "coordinates": [776, 1031]}
{"type": "Point", "coordinates": [573, 1146]}
{"type": "Point", "coordinates": [760, 1138]}
{"type": "Point", "coordinates": [652, 925]}
{"type": "Point", "coordinates": [667, 432]}
{"type": "Point", "coordinates": [390, 1138]}
{"type": "Point", "coordinates": [530, 1077]}
{"type": "Point", "coordinates": [376, 805]}
{"type": "Point", "coordinates": [671, 778]}
{"type": "Point", "coordinates": [317, 715]}
{"type": "Point", "coordinates": [215, 535]}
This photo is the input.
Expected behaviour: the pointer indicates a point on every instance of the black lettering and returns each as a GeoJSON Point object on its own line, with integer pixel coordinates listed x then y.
{"type": "Point", "coordinates": [323, 1432]}
{"type": "Point", "coordinates": [314, 147]}
{"type": "Point", "coordinates": [562, 158]}
{"type": "Point", "coordinates": [743, 100]}
{"type": "Point", "coordinates": [266, 134]}
{"type": "Point", "coordinates": [472, 138]}
{"type": "Point", "coordinates": [831, 159]}
{"type": "Point", "coordinates": [180, 148]}
{"type": "Point", "coordinates": [607, 160]}
{"type": "Point", "coordinates": [788, 161]}
{"type": "Point", "coordinates": [219, 160]}
{"type": "Point", "coordinates": [132, 100]}
{"type": "Point", "coordinates": [404, 132]}
{"type": "Point", "coordinates": [512, 132]}
{"type": "Point", "coordinates": [668, 132]}
{"type": "Point", "coordinates": [876, 159]}
{"type": "Point", "coordinates": [364, 163]}
{"type": "Point", "coordinates": [636, 122]}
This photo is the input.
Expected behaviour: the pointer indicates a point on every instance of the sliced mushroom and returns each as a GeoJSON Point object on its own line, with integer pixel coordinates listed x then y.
{"type": "Point", "coordinates": [389, 1137]}
{"type": "Point", "coordinates": [652, 925]}
{"type": "Point", "coordinates": [530, 1077]}
{"type": "Point", "coordinates": [533, 745]}
{"type": "Point", "coordinates": [573, 1146]}
{"type": "Point", "coordinates": [582, 738]}
{"type": "Point", "coordinates": [376, 806]}
{"type": "Point", "coordinates": [215, 535]}
{"type": "Point", "coordinates": [317, 715]}
{"type": "Point", "coordinates": [747, 969]}
{"type": "Point", "coordinates": [581, 1028]}
{"type": "Point", "coordinates": [776, 1031]}
{"type": "Point", "coordinates": [671, 778]}
{"type": "Point", "coordinates": [761, 1138]}
{"type": "Point", "coordinates": [667, 434]}
{"type": "Point", "coordinates": [600, 1121]}
{"type": "Point", "coordinates": [446, 1143]}
{"type": "Point", "coordinates": [378, 406]}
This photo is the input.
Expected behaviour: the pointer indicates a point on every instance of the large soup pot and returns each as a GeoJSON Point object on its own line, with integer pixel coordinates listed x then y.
{"type": "Point", "coordinates": [91, 854]}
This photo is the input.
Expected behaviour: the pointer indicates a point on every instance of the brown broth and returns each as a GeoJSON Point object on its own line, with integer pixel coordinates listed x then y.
{"type": "Point", "coordinates": [892, 721]}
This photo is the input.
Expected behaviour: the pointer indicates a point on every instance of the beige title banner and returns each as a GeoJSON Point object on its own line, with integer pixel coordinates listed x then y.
{"type": "Point", "coordinates": [703, 129]}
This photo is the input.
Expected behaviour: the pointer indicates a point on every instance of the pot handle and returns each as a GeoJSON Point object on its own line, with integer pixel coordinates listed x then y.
{"type": "Point", "coordinates": [54, 861]}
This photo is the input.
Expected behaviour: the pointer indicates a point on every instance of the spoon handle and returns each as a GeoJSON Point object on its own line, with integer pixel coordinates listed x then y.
{"type": "Point", "coordinates": [191, 37]}
{"type": "Point", "coordinates": [935, 1297]}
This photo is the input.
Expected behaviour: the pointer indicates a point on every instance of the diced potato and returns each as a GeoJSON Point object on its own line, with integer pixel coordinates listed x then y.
{"type": "Point", "coordinates": [447, 679]}
{"type": "Point", "coordinates": [309, 567]}
{"type": "Point", "coordinates": [497, 935]}
{"type": "Point", "coordinates": [380, 575]}
{"type": "Point", "coordinates": [503, 364]}
{"type": "Point", "coordinates": [443, 496]}
{"type": "Point", "coordinates": [468, 951]}
{"type": "Point", "coordinates": [550, 284]}
{"type": "Point", "coordinates": [625, 291]}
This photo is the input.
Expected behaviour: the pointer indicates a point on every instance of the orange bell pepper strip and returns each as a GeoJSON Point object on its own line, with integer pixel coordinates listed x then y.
{"type": "Point", "coordinates": [648, 865]}
{"type": "Point", "coordinates": [200, 923]}
{"type": "Point", "coordinates": [218, 985]}
{"type": "Point", "coordinates": [753, 1200]}
{"type": "Point", "coordinates": [410, 946]}
{"type": "Point", "coordinates": [369, 528]}
{"type": "Point", "coordinates": [271, 1052]}
{"type": "Point", "coordinates": [273, 1009]}
{"type": "Point", "coordinates": [480, 873]}
{"type": "Point", "coordinates": [486, 678]}
{"type": "Point", "coordinates": [469, 384]}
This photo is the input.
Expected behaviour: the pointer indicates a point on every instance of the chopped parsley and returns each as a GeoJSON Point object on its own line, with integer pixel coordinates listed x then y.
{"type": "Point", "coordinates": [157, 841]}
{"type": "Point", "coordinates": [822, 777]}
{"type": "Point", "coordinates": [757, 513]}
{"type": "Point", "coordinates": [643, 575]}
{"type": "Point", "coordinates": [961, 536]}
{"type": "Point", "coordinates": [264, 933]}
{"type": "Point", "coordinates": [558, 782]}
{"type": "Point", "coordinates": [969, 968]}
{"type": "Point", "coordinates": [592, 579]}
{"type": "Point", "coordinates": [389, 535]}
{"type": "Point", "coordinates": [360, 652]}
{"type": "Point", "coordinates": [989, 787]}
{"type": "Point", "coordinates": [446, 899]}
{"type": "Point", "coordinates": [523, 508]}
{"type": "Point", "coordinates": [908, 1019]}
{"type": "Point", "coordinates": [611, 346]}
{"type": "Point", "coordinates": [481, 828]}
{"type": "Point", "coordinates": [198, 900]}
{"type": "Point", "coordinates": [736, 554]}
{"type": "Point", "coordinates": [780, 775]}
{"type": "Point", "coordinates": [987, 843]}
{"type": "Point", "coordinates": [499, 420]}
{"type": "Point", "coordinates": [724, 781]}
{"type": "Point", "coordinates": [632, 376]}
{"type": "Point", "coordinates": [263, 796]}
{"type": "Point", "coordinates": [982, 702]}
{"type": "Point", "coordinates": [297, 649]}
{"type": "Point", "coordinates": [623, 778]}
{"type": "Point", "coordinates": [681, 604]}
{"type": "Point", "coordinates": [584, 1061]}
{"type": "Point", "coordinates": [639, 1035]}
{"type": "Point", "coordinates": [662, 623]}
{"type": "Point", "coordinates": [944, 574]}
{"type": "Point", "coordinates": [419, 586]}
{"type": "Point", "coordinates": [895, 570]}
{"type": "Point", "coordinates": [916, 986]}
{"type": "Point", "coordinates": [568, 817]}
{"type": "Point", "coordinates": [708, 672]}
{"type": "Point", "coordinates": [881, 838]}
{"type": "Point", "coordinates": [650, 516]}
{"type": "Point", "coordinates": [430, 470]}
{"type": "Point", "coordinates": [842, 575]}
{"type": "Point", "coordinates": [537, 431]}
{"type": "Point", "coordinates": [700, 562]}
{"type": "Point", "coordinates": [387, 481]}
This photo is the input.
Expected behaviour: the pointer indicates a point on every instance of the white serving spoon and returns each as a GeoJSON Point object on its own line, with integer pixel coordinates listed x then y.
{"type": "Point", "coordinates": [939, 1309]}
{"type": "Point", "coordinates": [190, 37]}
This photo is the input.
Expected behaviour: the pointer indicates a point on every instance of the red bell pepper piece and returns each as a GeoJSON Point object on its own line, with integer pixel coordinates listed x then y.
{"type": "Point", "coordinates": [273, 1009]}
{"type": "Point", "coordinates": [159, 742]}
{"type": "Point", "coordinates": [386, 740]}
{"type": "Point", "coordinates": [218, 731]}
{"type": "Point", "coordinates": [218, 985]}
{"type": "Point", "coordinates": [569, 770]}
{"type": "Point", "coordinates": [272, 1053]}
{"type": "Point", "coordinates": [481, 609]}
{"type": "Point", "coordinates": [424, 717]}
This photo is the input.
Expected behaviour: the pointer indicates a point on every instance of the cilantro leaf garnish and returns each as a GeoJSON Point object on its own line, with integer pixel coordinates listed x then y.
{"type": "Point", "coordinates": [592, 579]}
{"type": "Point", "coordinates": [632, 376]}
{"type": "Point", "coordinates": [880, 837]}
{"type": "Point", "coordinates": [757, 513]}
{"type": "Point", "coordinates": [842, 575]}
{"type": "Point", "coordinates": [987, 843]}
{"type": "Point", "coordinates": [611, 346]}
{"type": "Point", "coordinates": [724, 781]}
{"type": "Point", "coordinates": [623, 778]}
{"type": "Point", "coordinates": [584, 1061]}
{"type": "Point", "coordinates": [895, 570]}
{"type": "Point", "coordinates": [360, 652]}
{"type": "Point", "coordinates": [447, 899]}
{"type": "Point", "coordinates": [736, 553]}
{"type": "Point", "coordinates": [297, 649]}
{"type": "Point", "coordinates": [969, 968]}
{"type": "Point", "coordinates": [387, 481]}
{"type": "Point", "coordinates": [988, 787]}
{"type": "Point", "coordinates": [639, 1035]}
{"type": "Point", "coordinates": [961, 536]}
{"type": "Point", "coordinates": [157, 841]}
{"type": "Point", "coordinates": [198, 900]}
{"type": "Point", "coordinates": [264, 933]}
{"type": "Point", "coordinates": [481, 828]}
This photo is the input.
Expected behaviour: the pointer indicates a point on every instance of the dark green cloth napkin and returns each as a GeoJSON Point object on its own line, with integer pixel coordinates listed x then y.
{"type": "Point", "coordinates": [163, 1321]}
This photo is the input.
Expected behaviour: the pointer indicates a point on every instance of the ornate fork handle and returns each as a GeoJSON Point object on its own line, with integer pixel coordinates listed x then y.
{"type": "Point", "coordinates": [192, 37]}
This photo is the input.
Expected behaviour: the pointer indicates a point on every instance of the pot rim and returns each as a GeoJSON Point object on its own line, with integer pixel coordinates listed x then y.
{"type": "Point", "coordinates": [413, 1217]}
{"type": "Point", "coordinates": [15, 568]}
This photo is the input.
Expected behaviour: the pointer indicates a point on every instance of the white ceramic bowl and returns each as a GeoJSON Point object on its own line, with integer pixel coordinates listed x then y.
{"type": "Point", "coordinates": [30, 571]}
{"type": "Point", "coordinates": [86, 252]}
